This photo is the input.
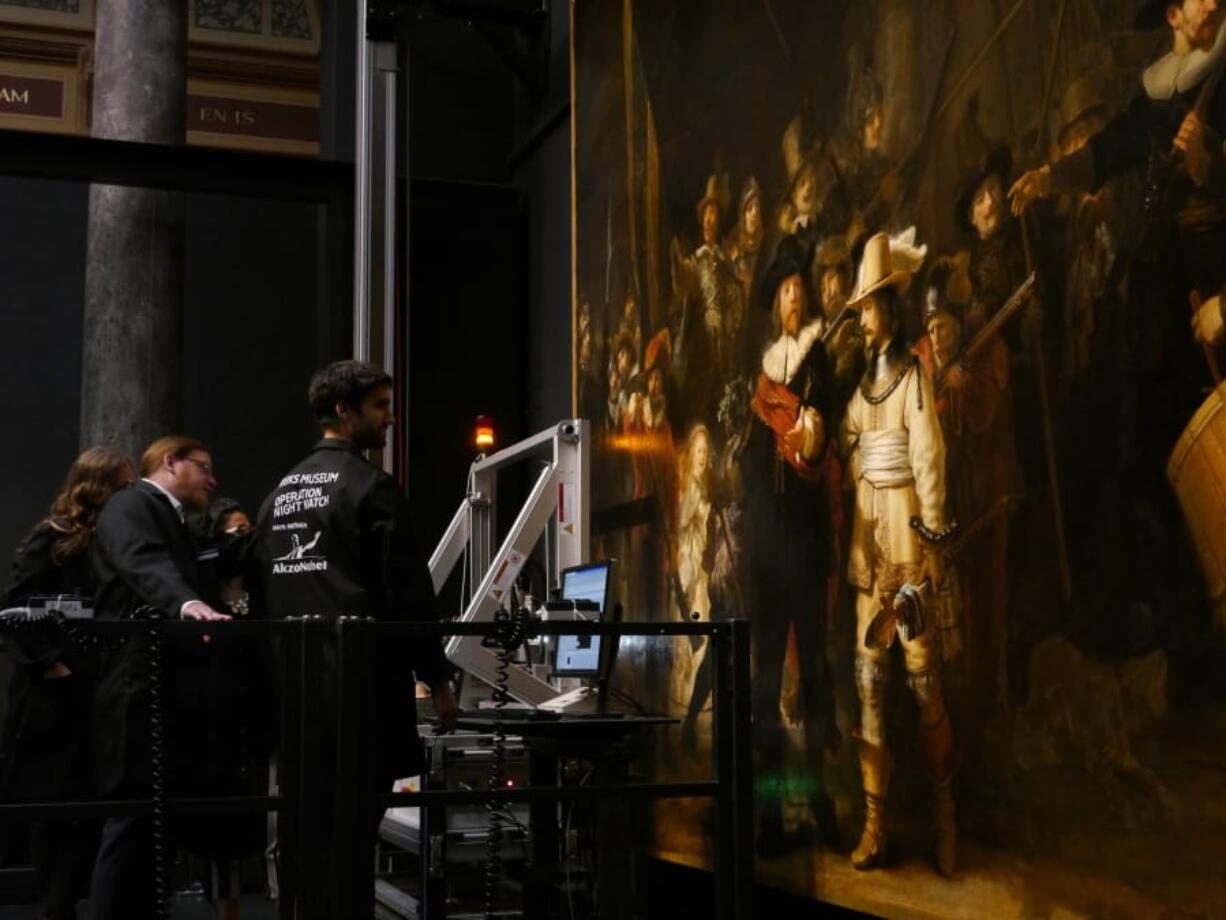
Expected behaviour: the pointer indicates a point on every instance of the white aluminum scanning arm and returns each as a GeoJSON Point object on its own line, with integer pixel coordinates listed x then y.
{"type": "Point", "coordinates": [561, 489]}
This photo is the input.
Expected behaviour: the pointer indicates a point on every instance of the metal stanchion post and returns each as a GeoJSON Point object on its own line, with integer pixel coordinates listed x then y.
{"type": "Point", "coordinates": [289, 767]}
{"type": "Point", "coordinates": [734, 771]}
{"type": "Point", "coordinates": [352, 844]}
{"type": "Point", "coordinates": [311, 840]}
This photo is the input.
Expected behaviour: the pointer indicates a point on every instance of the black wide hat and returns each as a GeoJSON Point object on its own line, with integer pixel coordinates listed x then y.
{"type": "Point", "coordinates": [1151, 14]}
{"type": "Point", "coordinates": [999, 162]}
{"type": "Point", "coordinates": [792, 257]}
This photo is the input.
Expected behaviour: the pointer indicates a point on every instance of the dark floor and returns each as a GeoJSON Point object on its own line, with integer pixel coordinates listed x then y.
{"type": "Point", "coordinates": [691, 896]}
{"type": "Point", "coordinates": [254, 907]}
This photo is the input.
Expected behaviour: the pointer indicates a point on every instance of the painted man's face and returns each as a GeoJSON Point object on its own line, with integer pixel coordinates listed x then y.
{"type": "Point", "coordinates": [987, 210]}
{"type": "Point", "coordinates": [791, 299]}
{"type": "Point", "coordinates": [1196, 20]}
{"type": "Point", "coordinates": [874, 320]}
{"type": "Point", "coordinates": [623, 363]}
{"type": "Point", "coordinates": [833, 294]}
{"type": "Point", "coordinates": [655, 383]}
{"type": "Point", "coordinates": [804, 195]}
{"type": "Point", "coordinates": [753, 216]}
{"type": "Point", "coordinates": [946, 335]}
{"type": "Point", "coordinates": [872, 130]}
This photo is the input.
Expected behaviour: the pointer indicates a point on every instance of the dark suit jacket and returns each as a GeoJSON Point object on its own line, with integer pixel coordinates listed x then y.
{"type": "Point", "coordinates": [45, 751]}
{"type": "Point", "coordinates": [143, 555]}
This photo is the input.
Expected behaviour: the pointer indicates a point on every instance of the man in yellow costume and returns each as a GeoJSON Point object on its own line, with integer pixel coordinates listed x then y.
{"type": "Point", "coordinates": [891, 439]}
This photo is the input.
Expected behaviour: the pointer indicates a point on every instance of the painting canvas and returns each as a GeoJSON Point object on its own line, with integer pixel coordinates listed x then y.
{"type": "Point", "coordinates": [899, 325]}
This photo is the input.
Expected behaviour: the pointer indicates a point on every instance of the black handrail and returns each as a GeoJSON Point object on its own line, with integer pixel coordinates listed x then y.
{"type": "Point", "coordinates": [301, 642]}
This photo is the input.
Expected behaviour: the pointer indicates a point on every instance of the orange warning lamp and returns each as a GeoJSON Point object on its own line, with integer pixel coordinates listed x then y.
{"type": "Point", "coordinates": [485, 432]}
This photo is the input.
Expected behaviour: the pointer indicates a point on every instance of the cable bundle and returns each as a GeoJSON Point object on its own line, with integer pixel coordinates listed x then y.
{"type": "Point", "coordinates": [507, 636]}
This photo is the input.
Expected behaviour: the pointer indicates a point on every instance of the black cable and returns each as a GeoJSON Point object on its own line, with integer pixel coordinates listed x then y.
{"type": "Point", "coordinates": [157, 764]}
{"type": "Point", "coordinates": [507, 635]}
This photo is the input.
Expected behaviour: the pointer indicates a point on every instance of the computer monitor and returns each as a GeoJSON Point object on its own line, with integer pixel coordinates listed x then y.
{"type": "Point", "coordinates": [579, 656]}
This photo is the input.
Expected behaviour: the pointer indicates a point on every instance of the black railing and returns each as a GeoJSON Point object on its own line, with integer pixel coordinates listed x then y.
{"type": "Point", "coordinates": [310, 852]}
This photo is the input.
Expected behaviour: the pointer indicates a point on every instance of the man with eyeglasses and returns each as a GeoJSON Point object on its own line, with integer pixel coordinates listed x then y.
{"type": "Point", "coordinates": [145, 556]}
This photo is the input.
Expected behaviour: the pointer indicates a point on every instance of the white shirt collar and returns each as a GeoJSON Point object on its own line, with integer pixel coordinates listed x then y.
{"type": "Point", "coordinates": [1177, 73]}
{"type": "Point", "coordinates": [174, 502]}
{"type": "Point", "coordinates": [785, 355]}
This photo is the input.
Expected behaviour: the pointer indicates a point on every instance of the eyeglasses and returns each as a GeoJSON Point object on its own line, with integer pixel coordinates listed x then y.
{"type": "Point", "coordinates": [206, 468]}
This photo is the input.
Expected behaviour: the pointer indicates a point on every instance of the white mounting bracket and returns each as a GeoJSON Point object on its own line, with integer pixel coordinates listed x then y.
{"type": "Point", "coordinates": [561, 493]}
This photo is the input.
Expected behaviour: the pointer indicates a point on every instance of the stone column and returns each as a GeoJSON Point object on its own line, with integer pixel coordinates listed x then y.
{"type": "Point", "coordinates": [134, 262]}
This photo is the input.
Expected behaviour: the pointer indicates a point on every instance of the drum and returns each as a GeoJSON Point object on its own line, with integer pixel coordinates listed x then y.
{"type": "Point", "coordinates": [1197, 471]}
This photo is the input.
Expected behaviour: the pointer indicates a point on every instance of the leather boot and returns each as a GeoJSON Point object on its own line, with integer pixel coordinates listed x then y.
{"type": "Point", "coordinates": [938, 744]}
{"type": "Point", "coordinates": [875, 766]}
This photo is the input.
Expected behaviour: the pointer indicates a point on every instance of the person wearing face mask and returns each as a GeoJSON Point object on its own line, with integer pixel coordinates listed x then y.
{"type": "Point", "coordinates": [336, 537]}
{"type": "Point", "coordinates": [788, 560]}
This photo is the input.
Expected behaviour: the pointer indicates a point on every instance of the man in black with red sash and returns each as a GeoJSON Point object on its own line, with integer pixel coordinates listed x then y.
{"type": "Point", "coordinates": [788, 558]}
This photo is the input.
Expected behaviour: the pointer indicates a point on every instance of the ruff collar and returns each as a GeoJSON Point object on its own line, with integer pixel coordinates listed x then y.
{"type": "Point", "coordinates": [1177, 73]}
{"type": "Point", "coordinates": [783, 358]}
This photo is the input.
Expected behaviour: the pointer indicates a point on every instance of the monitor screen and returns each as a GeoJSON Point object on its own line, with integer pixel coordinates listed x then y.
{"type": "Point", "coordinates": [586, 583]}
{"type": "Point", "coordinates": [579, 656]}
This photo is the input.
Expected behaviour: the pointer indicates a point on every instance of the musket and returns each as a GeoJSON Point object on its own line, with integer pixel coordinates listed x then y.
{"type": "Point", "coordinates": [990, 329]}
{"type": "Point", "coordinates": [608, 252]}
{"type": "Point", "coordinates": [1049, 441]}
{"type": "Point", "coordinates": [962, 536]}
{"type": "Point", "coordinates": [841, 317]}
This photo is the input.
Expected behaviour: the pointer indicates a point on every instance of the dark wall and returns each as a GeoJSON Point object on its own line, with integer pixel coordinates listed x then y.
{"type": "Point", "coordinates": [466, 337]}
{"type": "Point", "coordinates": [490, 288]}
{"type": "Point", "coordinates": [42, 278]}
{"type": "Point", "coordinates": [541, 166]}
{"type": "Point", "coordinates": [250, 339]}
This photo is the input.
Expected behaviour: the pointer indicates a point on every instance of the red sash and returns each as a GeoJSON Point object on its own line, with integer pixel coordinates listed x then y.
{"type": "Point", "coordinates": [778, 408]}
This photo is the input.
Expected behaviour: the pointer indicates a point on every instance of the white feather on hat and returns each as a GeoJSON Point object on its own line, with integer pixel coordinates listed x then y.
{"type": "Point", "coordinates": [906, 254]}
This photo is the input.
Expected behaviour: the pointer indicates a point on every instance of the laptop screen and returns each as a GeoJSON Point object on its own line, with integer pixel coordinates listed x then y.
{"type": "Point", "coordinates": [579, 656]}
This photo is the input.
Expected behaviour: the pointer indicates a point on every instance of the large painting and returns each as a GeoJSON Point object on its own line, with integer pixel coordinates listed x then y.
{"type": "Point", "coordinates": [899, 325]}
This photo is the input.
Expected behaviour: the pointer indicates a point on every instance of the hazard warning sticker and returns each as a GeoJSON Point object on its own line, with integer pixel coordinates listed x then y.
{"type": "Point", "coordinates": [507, 572]}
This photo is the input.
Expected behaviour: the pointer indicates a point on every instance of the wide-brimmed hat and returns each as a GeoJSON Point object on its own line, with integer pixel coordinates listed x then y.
{"type": "Point", "coordinates": [620, 340]}
{"type": "Point", "coordinates": [1152, 13]}
{"type": "Point", "coordinates": [833, 252]}
{"type": "Point", "coordinates": [997, 163]}
{"type": "Point", "coordinates": [659, 352]}
{"type": "Point", "coordinates": [792, 257]}
{"type": "Point", "coordinates": [716, 193]}
{"type": "Point", "coordinates": [887, 263]}
{"type": "Point", "coordinates": [863, 95]}
{"type": "Point", "coordinates": [802, 152]}
{"type": "Point", "coordinates": [1095, 92]}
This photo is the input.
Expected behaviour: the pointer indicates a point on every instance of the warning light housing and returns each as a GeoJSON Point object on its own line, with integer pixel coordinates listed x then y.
{"type": "Point", "coordinates": [484, 436]}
